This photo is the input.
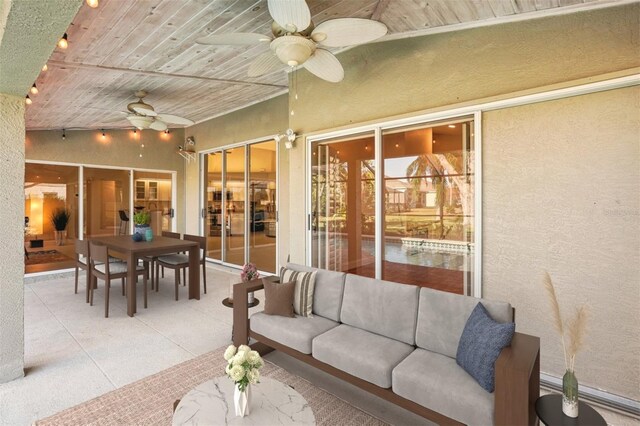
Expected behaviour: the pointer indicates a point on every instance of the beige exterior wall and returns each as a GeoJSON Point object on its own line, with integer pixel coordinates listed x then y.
{"type": "Point", "coordinates": [562, 194]}
{"type": "Point", "coordinates": [120, 148]}
{"type": "Point", "coordinates": [12, 237]}
{"type": "Point", "coordinates": [262, 120]}
{"type": "Point", "coordinates": [444, 71]}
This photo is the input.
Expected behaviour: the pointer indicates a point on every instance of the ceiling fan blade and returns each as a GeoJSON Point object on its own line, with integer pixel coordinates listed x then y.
{"type": "Point", "coordinates": [140, 121]}
{"type": "Point", "coordinates": [264, 64]}
{"type": "Point", "coordinates": [145, 111]}
{"type": "Point", "coordinates": [292, 15]}
{"type": "Point", "coordinates": [233, 39]}
{"type": "Point", "coordinates": [324, 65]}
{"type": "Point", "coordinates": [174, 119]}
{"type": "Point", "coordinates": [348, 32]}
{"type": "Point", "coordinates": [158, 125]}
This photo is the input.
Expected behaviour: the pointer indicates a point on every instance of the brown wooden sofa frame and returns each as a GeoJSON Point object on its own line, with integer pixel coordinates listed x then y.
{"type": "Point", "coordinates": [517, 369]}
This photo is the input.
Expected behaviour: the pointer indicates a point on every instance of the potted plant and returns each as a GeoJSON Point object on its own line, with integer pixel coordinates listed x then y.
{"type": "Point", "coordinates": [141, 221]}
{"type": "Point", "coordinates": [60, 218]}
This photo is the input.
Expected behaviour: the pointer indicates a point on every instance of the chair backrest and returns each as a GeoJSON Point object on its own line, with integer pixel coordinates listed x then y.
{"type": "Point", "coordinates": [98, 253]}
{"type": "Point", "coordinates": [82, 249]}
{"type": "Point", "coordinates": [200, 240]}
{"type": "Point", "coordinates": [123, 216]}
{"type": "Point", "coordinates": [169, 234]}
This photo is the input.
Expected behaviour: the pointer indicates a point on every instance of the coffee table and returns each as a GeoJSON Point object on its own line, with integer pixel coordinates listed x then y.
{"type": "Point", "coordinates": [272, 402]}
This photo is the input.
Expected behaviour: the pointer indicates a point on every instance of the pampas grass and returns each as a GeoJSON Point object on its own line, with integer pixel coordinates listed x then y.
{"type": "Point", "coordinates": [573, 330]}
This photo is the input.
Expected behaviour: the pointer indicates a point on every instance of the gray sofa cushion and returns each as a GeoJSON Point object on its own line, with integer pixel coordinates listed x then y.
{"type": "Point", "coordinates": [297, 332]}
{"type": "Point", "coordinates": [382, 307]}
{"type": "Point", "coordinates": [327, 296]}
{"type": "Point", "coordinates": [442, 317]}
{"type": "Point", "coordinates": [437, 382]}
{"type": "Point", "coordinates": [362, 354]}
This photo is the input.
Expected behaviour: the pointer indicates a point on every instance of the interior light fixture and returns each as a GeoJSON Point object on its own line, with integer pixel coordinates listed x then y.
{"type": "Point", "coordinates": [452, 126]}
{"type": "Point", "coordinates": [45, 68]}
{"type": "Point", "coordinates": [64, 136]}
{"type": "Point", "coordinates": [93, 3]}
{"type": "Point", "coordinates": [63, 43]}
{"type": "Point", "coordinates": [28, 100]}
{"type": "Point", "coordinates": [34, 89]}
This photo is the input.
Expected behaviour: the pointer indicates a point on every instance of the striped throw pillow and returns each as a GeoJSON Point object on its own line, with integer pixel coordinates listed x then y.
{"type": "Point", "coordinates": [303, 294]}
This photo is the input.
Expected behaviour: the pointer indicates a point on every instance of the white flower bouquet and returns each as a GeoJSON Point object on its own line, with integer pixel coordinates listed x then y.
{"type": "Point", "coordinates": [243, 366]}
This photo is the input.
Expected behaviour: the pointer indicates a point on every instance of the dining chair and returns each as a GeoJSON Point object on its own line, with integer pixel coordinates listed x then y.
{"type": "Point", "coordinates": [106, 270]}
{"type": "Point", "coordinates": [202, 241]}
{"type": "Point", "coordinates": [180, 262]}
{"type": "Point", "coordinates": [82, 261]}
{"type": "Point", "coordinates": [124, 222]}
{"type": "Point", "coordinates": [167, 234]}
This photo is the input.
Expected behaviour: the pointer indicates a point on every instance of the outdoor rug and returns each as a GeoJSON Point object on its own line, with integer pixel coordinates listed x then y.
{"type": "Point", "coordinates": [150, 401]}
{"type": "Point", "coordinates": [45, 256]}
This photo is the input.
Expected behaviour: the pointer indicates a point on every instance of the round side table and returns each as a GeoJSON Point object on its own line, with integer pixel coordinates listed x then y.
{"type": "Point", "coordinates": [549, 410]}
{"type": "Point", "coordinates": [229, 304]}
{"type": "Point", "coordinates": [272, 403]}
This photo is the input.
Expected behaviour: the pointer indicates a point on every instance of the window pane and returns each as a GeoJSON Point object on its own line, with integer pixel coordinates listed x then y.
{"type": "Point", "coordinates": [153, 193]}
{"type": "Point", "coordinates": [235, 211]}
{"type": "Point", "coordinates": [47, 189]}
{"type": "Point", "coordinates": [262, 199]}
{"type": "Point", "coordinates": [428, 206]}
{"type": "Point", "coordinates": [343, 205]}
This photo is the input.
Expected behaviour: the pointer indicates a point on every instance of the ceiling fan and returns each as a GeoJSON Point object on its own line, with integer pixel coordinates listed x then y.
{"type": "Point", "coordinates": [143, 116]}
{"type": "Point", "coordinates": [297, 41]}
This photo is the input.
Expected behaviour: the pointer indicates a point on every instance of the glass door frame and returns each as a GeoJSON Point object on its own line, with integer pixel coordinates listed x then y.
{"type": "Point", "coordinates": [247, 225]}
{"type": "Point", "coordinates": [131, 170]}
{"type": "Point", "coordinates": [377, 129]}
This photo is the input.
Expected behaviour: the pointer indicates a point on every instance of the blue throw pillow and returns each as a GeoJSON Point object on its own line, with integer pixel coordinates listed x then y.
{"type": "Point", "coordinates": [480, 345]}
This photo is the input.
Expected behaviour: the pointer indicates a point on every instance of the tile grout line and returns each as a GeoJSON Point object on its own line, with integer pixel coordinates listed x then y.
{"type": "Point", "coordinates": [76, 340]}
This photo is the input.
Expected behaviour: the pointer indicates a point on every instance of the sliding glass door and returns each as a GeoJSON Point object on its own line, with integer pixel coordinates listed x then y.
{"type": "Point", "coordinates": [240, 214]}
{"type": "Point", "coordinates": [399, 206]}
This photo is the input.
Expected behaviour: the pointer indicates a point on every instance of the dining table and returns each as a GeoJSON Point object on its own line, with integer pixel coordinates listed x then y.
{"type": "Point", "coordinates": [131, 251]}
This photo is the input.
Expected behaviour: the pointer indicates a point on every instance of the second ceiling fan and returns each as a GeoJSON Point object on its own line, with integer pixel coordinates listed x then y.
{"type": "Point", "coordinates": [297, 41]}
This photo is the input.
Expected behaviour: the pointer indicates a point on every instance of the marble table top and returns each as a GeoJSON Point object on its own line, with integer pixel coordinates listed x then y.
{"type": "Point", "coordinates": [272, 403]}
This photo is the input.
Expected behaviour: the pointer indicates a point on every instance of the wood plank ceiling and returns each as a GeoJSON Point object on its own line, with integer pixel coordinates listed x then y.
{"type": "Point", "coordinates": [124, 46]}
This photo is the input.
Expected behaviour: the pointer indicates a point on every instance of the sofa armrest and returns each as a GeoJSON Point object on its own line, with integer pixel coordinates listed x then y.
{"type": "Point", "coordinates": [241, 310]}
{"type": "Point", "coordinates": [518, 381]}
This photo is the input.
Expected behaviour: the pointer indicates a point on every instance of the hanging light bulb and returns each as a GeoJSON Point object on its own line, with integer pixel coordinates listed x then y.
{"type": "Point", "coordinates": [45, 68]}
{"type": "Point", "coordinates": [104, 135]}
{"type": "Point", "coordinates": [28, 100]}
{"type": "Point", "coordinates": [63, 43]}
{"type": "Point", "coordinates": [92, 3]}
{"type": "Point", "coordinates": [34, 89]}
{"type": "Point", "coordinates": [63, 135]}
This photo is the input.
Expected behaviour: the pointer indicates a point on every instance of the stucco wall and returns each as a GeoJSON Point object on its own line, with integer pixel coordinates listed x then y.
{"type": "Point", "coordinates": [262, 120]}
{"type": "Point", "coordinates": [11, 238]}
{"type": "Point", "coordinates": [120, 148]}
{"type": "Point", "coordinates": [562, 194]}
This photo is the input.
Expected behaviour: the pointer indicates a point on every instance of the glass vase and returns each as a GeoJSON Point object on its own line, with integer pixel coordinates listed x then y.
{"type": "Point", "coordinates": [570, 394]}
{"type": "Point", "coordinates": [242, 400]}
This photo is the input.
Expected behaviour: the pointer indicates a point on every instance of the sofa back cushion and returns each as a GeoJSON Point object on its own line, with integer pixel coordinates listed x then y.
{"type": "Point", "coordinates": [327, 295]}
{"type": "Point", "coordinates": [442, 317]}
{"type": "Point", "coordinates": [381, 307]}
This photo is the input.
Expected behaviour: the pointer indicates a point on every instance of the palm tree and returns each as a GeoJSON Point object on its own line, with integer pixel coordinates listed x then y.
{"type": "Point", "coordinates": [423, 166]}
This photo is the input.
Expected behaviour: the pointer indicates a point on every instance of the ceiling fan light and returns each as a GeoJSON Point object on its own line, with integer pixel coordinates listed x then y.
{"type": "Point", "coordinates": [293, 50]}
{"type": "Point", "coordinates": [139, 121]}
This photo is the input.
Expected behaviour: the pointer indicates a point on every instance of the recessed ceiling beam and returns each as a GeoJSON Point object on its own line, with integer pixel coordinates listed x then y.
{"type": "Point", "coordinates": [79, 65]}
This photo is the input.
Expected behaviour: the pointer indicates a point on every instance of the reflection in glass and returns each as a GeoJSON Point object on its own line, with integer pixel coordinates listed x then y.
{"type": "Point", "coordinates": [262, 205]}
{"type": "Point", "coordinates": [343, 205]}
{"type": "Point", "coordinates": [214, 215]}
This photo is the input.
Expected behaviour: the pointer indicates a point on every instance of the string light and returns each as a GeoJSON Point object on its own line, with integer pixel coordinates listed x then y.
{"type": "Point", "coordinates": [92, 3]}
{"type": "Point", "coordinates": [64, 136]}
{"type": "Point", "coordinates": [63, 43]}
{"type": "Point", "coordinates": [104, 135]}
{"type": "Point", "coordinates": [34, 89]}
{"type": "Point", "coordinates": [28, 100]}
{"type": "Point", "coordinates": [45, 68]}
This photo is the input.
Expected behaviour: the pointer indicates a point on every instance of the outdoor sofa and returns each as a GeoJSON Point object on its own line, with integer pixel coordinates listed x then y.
{"type": "Point", "coordinates": [399, 342]}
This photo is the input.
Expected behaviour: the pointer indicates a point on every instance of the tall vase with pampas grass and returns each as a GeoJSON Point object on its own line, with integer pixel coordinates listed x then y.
{"type": "Point", "coordinates": [574, 331]}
